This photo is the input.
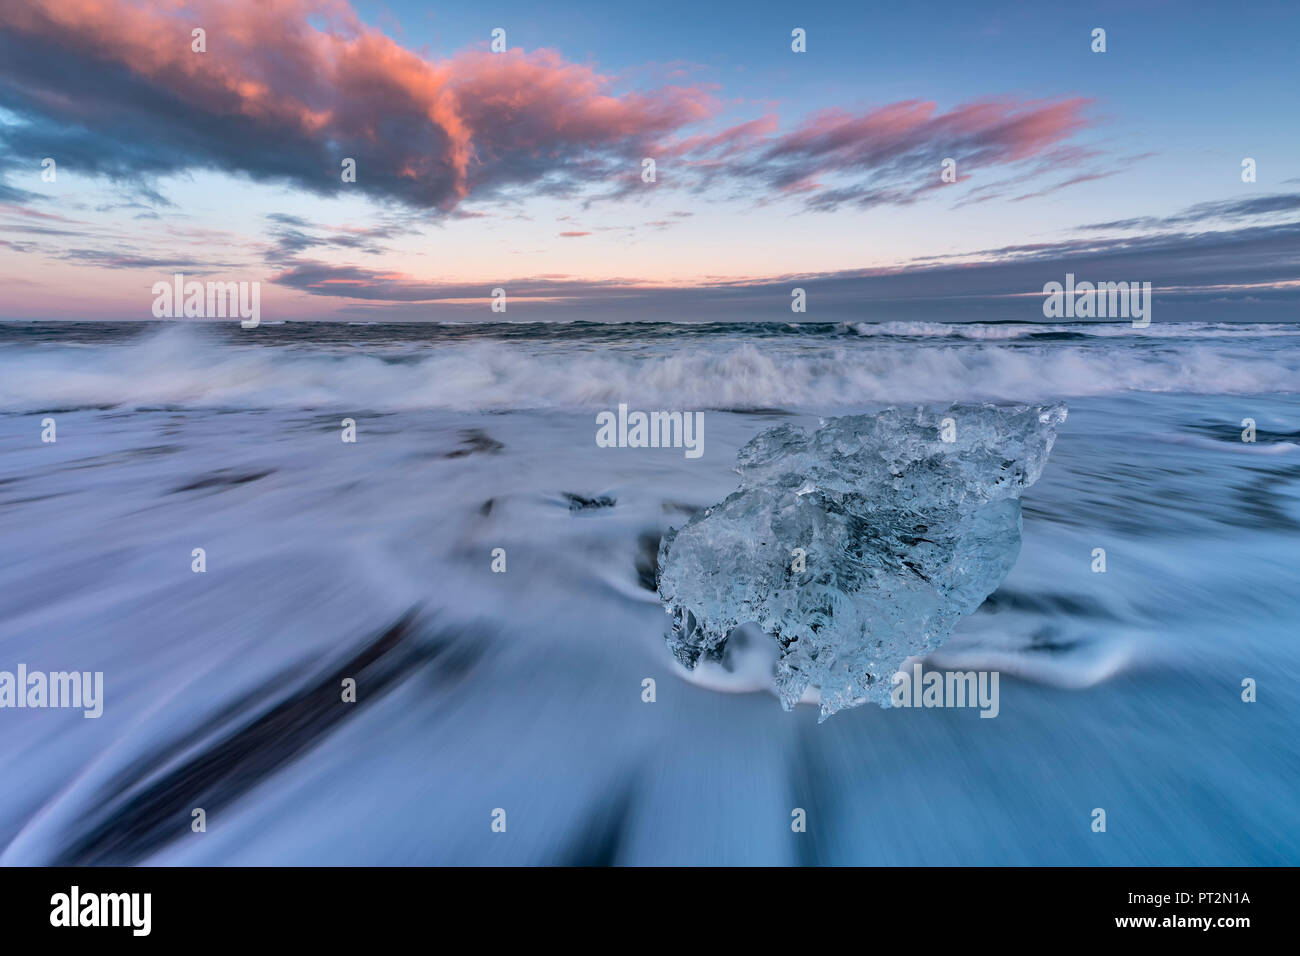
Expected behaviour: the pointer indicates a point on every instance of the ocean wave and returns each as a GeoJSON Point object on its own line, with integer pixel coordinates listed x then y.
{"type": "Point", "coordinates": [178, 366]}
{"type": "Point", "coordinates": [986, 332]}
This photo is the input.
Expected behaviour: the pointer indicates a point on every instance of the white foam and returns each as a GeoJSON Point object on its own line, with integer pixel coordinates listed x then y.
{"type": "Point", "coordinates": [179, 367]}
{"type": "Point", "coordinates": [980, 331]}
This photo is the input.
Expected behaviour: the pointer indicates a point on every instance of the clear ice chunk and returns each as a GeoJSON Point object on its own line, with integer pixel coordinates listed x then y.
{"type": "Point", "coordinates": [902, 533]}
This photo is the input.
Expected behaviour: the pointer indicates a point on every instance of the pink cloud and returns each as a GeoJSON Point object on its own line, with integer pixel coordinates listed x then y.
{"type": "Point", "coordinates": [288, 99]}
{"type": "Point", "coordinates": [892, 154]}
{"type": "Point", "coordinates": [289, 88]}
{"type": "Point", "coordinates": [992, 130]}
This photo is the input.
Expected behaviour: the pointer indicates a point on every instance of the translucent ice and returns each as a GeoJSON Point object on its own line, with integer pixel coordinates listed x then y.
{"type": "Point", "coordinates": [856, 546]}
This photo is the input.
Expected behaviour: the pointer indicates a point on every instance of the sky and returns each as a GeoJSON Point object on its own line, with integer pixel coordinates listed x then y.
{"type": "Point", "coordinates": [773, 169]}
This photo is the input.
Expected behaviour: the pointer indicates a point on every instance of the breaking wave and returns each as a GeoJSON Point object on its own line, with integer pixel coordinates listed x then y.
{"type": "Point", "coordinates": [179, 366]}
{"type": "Point", "coordinates": [1000, 331]}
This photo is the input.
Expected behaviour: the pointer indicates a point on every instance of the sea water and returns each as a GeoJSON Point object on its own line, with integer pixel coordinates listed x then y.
{"type": "Point", "coordinates": [523, 690]}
